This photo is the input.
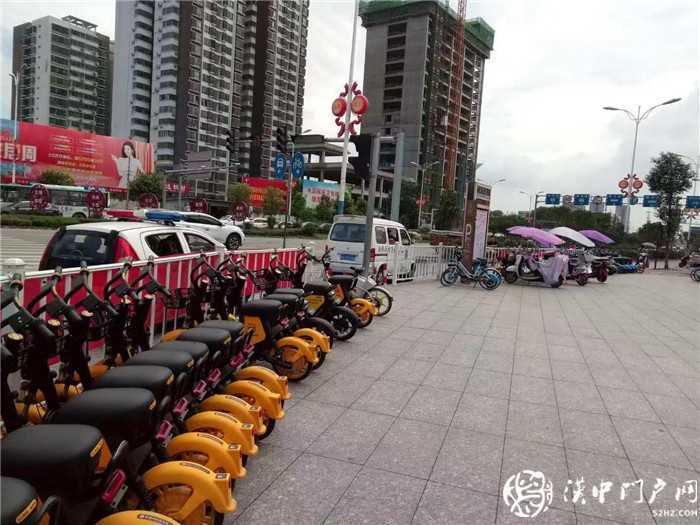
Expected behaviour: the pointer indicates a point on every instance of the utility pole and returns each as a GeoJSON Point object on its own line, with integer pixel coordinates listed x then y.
{"type": "Point", "coordinates": [398, 171]}
{"type": "Point", "coordinates": [369, 223]}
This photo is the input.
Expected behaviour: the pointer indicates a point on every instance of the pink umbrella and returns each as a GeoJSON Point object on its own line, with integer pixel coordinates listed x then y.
{"type": "Point", "coordinates": [541, 237]}
{"type": "Point", "coordinates": [596, 236]}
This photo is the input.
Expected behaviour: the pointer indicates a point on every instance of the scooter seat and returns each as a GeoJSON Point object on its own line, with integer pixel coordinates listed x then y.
{"type": "Point", "coordinates": [55, 459]}
{"type": "Point", "coordinates": [318, 287]}
{"type": "Point", "coordinates": [294, 291]}
{"type": "Point", "coordinates": [198, 351]}
{"type": "Point", "coordinates": [120, 414]}
{"type": "Point", "coordinates": [177, 361]}
{"type": "Point", "coordinates": [18, 498]}
{"type": "Point", "coordinates": [289, 300]}
{"type": "Point", "coordinates": [232, 327]}
{"type": "Point", "coordinates": [268, 310]}
{"type": "Point", "coordinates": [157, 379]}
{"type": "Point", "coordinates": [345, 281]}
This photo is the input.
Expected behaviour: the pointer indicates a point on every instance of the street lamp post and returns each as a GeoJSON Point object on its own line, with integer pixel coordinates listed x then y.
{"type": "Point", "coordinates": [422, 169]}
{"type": "Point", "coordinates": [637, 119]}
{"type": "Point", "coordinates": [15, 80]}
{"type": "Point", "coordinates": [289, 189]}
{"type": "Point", "coordinates": [532, 212]}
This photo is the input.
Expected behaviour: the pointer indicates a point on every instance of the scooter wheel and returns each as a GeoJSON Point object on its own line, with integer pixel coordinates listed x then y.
{"type": "Point", "coordinates": [581, 279]}
{"type": "Point", "coordinates": [448, 277]}
{"type": "Point", "coordinates": [511, 277]}
{"type": "Point", "coordinates": [382, 300]}
{"type": "Point", "coordinates": [297, 370]}
{"type": "Point", "coordinates": [602, 275]}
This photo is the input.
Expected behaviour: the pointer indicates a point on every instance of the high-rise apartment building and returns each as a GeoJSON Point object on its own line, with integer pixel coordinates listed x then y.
{"type": "Point", "coordinates": [274, 40]}
{"type": "Point", "coordinates": [64, 69]}
{"type": "Point", "coordinates": [173, 76]}
{"type": "Point", "coordinates": [188, 72]}
{"type": "Point", "coordinates": [410, 55]}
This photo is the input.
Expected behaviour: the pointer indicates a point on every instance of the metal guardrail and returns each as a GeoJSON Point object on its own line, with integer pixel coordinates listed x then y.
{"type": "Point", "coordinates": [418, 263]}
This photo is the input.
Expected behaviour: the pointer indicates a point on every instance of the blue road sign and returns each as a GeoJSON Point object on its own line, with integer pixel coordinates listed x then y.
{"type": "Point", "coordinates": [581, 199]}
{"type": "Point", "coordinates": [298, 165]}
{"type": "Point", "coordinates": [650, 201]}
{"type": "Point", "coordinates": [280, 165]}
{"type": "Point", "coordinates": [552, 198]}
{"type": "Point", "coordinates": [692, 202]}
{"type": "Point", "coordinates": [634, 200]}
{"type": "Point", "coordinates": [613, 199]}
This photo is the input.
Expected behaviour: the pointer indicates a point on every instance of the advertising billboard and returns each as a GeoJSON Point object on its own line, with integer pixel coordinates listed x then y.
{"type": "Point", "coordinates": [259, 185]}
{"type": "Point", "coordinates": [92, 160]}
{"type": "Point", "coordinates": [313, 190]}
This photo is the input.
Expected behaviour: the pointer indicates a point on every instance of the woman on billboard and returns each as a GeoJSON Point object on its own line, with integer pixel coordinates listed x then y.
{"type": "Point", "coordinates": [128, 166]}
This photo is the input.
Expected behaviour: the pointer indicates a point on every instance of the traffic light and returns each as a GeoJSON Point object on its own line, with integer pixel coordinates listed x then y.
{"type": "Point", "coordinates": [230, 140]}
{"type": "Point", "coordinates": [361, 163]}
{"type": "Point", "coordinates": [282, 140]}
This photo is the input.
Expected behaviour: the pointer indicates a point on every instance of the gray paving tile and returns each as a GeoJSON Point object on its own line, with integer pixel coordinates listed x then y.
{"type": "Point", "coordinates": [578, 396]}
{"type": "Point", "coordinates": [467, 342]}
{"type": "Point", "coordinates": [627, 403]}
{"type": "Point", "coordinates": [664, 492]}
{"type": "Point", "coordinates": [410, 447]}
{"type": "Point", "coordinates": [391, 346]}
{"type": "Point", "coordinates": [470, 460]}
{"type": "Point", "coordinates": [371, 365]}
{"type": "Point", "coordinates": [590, 432]}
{"type": "Point", "coordinates": [437, 336]}
{"type": "Point", "coordinates": [675, 411]}
{"type": "Point", "coordinates": [532, 389]}
{"type": "Point", "coordinates": [489, 383]}
{"type": "Point", "coordinates": [689, 441]}
{"type": "Point", "coordinates": [432, 405]}
{"type": "Point", "coordinates": [426, 351]}
{"type": "Point", "coordinates": [501, 332]}
{"type": "Point", "coordinates": [653, 382]}
{"type": "Point", "coordinates": [303, 423]}
{"type": "Point", "coordinates": [376, 496]}
{"type": "Point", "coordinates": [452, 377]}
{"type": "Point", "coordinates": [408, 333]}
{"type": "Point", "coordinates": [481, 413]}
{"type": "Point", "coordinates": [495, 361]}
{"type": "Point", "coordinates": [342, 389]}
{"type": "Point", "coordinates": [613, 376]}
{"type": "Point", "coordinates": [593, 468]}
{"type": "Point", "coordinates": [689, 386]}
{"type": "Point", "coordinates": [447, 505]}
{"type": "Point", "coordinates": [565, 353]}
{"type": "Point", "coordinates": [652, 442]}
{"type": "Point", "coordinates": [459, 356]}
{"type": "Point", "coordinates": [571, 371]}
{"type": "Point", "coordinates": [532, 349]}
{"type": "Point", "coordinates": [262, 470]}
{"type": "Point", "coordinates": [532, 422]}
{"type": "Point", "coordinates": [551, 516]}
{"type": "Point", "coordinates": [385, 397]}
{"type": "Point", "coordinates": [531, 366]}
{"type": "Point", "coordinates": [408, 371]}
{"type": "Point", "coordinates": [353, 436]}
{"type": "Point", "coordinates": [288, 500]}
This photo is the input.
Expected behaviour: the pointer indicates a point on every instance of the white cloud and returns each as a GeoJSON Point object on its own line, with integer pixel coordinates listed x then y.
{"type": "Point", "coordinates": [555, 64]}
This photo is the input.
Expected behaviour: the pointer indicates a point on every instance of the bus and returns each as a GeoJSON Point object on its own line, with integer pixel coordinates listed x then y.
{"type": "Point", "coordinates": [70, 200]}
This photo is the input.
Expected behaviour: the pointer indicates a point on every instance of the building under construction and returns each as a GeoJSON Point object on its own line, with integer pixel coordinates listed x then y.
{"type": "Point", "coordinates": [424, 78]}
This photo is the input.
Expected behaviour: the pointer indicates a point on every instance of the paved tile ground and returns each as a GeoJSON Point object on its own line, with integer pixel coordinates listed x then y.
{"type": "Point", "coordinates": [423, 416]}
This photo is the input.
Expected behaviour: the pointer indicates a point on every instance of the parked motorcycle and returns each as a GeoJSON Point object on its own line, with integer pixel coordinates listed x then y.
{"type": "Point", "coordinates": [551, 271]}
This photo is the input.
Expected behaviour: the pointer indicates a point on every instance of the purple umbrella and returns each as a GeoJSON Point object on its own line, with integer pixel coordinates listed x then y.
{"type": "Point", "coordinates": [539, 236]}
{"type": "Point", "coordinates": [596, 236]}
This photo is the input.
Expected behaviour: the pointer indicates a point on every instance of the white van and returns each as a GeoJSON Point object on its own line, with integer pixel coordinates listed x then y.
{"type": "Point", "coordinates": [391, 245]}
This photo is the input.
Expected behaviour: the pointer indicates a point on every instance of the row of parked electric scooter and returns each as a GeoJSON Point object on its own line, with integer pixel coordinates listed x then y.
{"type": "Point", "coordinates": [157, 434]}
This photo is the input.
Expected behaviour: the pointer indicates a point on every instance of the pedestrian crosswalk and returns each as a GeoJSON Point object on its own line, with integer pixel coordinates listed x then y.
{"type": "Point", "coordinates": [25, 244]}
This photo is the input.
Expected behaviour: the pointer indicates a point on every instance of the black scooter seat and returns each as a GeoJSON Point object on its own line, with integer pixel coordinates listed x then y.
{"type": "Point", "coordinates": [264, 308]}
{"type": "Point", "coordinates": [293, 291]}
{"type": "Point", "coordinates": [289, 300]}
{"type": "Point", "coordinates": [157, 379]}
{"type": "Point", "coordinates": [119, 413]}
{"type": "Point", "coordinates": [56, 459]}
{"type": "Point", "coordinates": [178, 362]}
{"type": "Point", "coordinates": [343, 280]}
{"type": "Point", "coordinates": [197, 350]}
{"type": "Point", "coordinates": [318, 287]}
{"type": "Point", "coordinates": [232, 327]}
{"type": "Point", "coordinates": [17, 495]}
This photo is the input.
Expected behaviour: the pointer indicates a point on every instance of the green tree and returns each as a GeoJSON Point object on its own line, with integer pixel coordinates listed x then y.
{"type": "Point", "coordinates": [670, 178]}
{"type": "Point", "coordinates": [239, 192]}
{"type": "Point", "coordinates": [651, 232]}
{"type": "Point", "coordinates": [325, 209]}
{"type": "Point", "coordinates": [273, 201]}
{"type": "Point", "coordinates": [408, 209]}
{"type": "Point", "coordinates": [447, 212]}
{"type": "Point", "coordinates": [143, 183]}
{"type": "Point", "coordinates": [58, 177]}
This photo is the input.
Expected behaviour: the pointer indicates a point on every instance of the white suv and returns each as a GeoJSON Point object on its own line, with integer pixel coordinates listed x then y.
{"type": "Point", "coordinates": [225, 232]}
{"type": "Point", "coordinates": [111, 242]}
